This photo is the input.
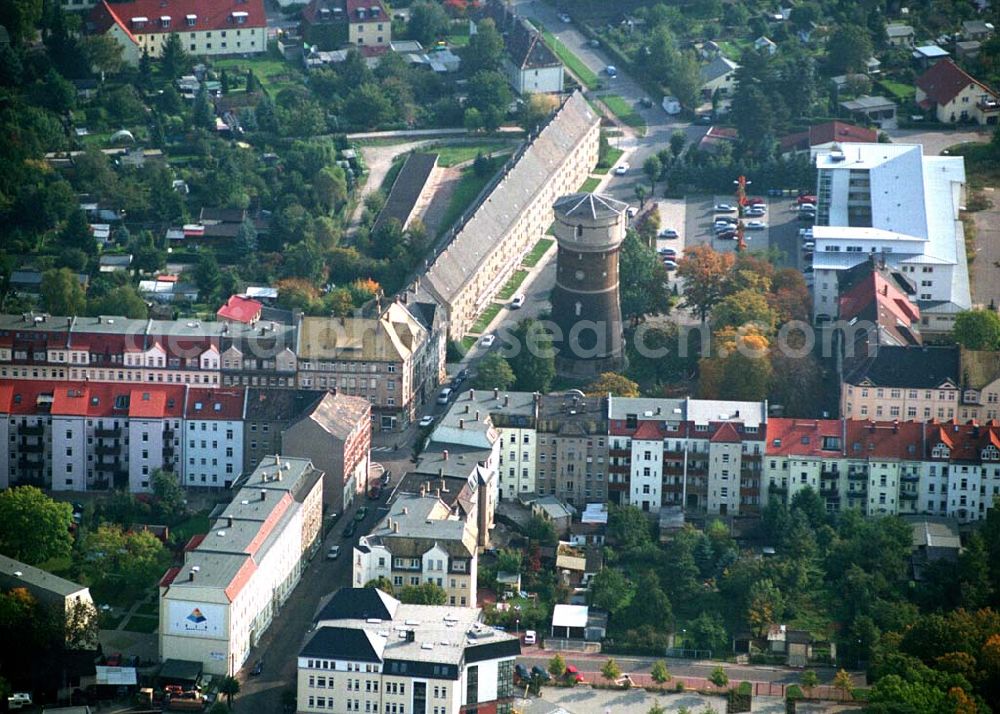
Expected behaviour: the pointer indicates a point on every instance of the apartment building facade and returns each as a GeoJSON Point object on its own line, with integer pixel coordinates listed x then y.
{"type": "Point", "coordinates": [97, 437]}
{"type": "Point", "coordinates": [703, 455]}
{"type": "Point", "coordinates": [906, 383]}
{"type": "Point", "coordinates": [886, 467]}
{"type": "Point", "coordinates": [210, 28]}
{"type": "Point", "coordinates": [369, 652]}
{"type": "Point", "coordinates": [215, 607]}
{"type": "Point", "coordinates": [466, 276]}
{"type": "Point", "coordinates": [421, 540]}
{"type": "Point", "coordinates": [572, 452]}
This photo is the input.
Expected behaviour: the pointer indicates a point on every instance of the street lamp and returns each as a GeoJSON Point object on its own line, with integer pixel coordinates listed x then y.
{"type": "Point", "coordinates": [517, 625]}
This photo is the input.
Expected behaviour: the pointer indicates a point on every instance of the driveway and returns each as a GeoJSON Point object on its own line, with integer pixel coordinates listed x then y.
{"type": "Point", "coordinates": [584, 700]}
{"type": "Point", "coordinates": [936, 141]}
{"type": "Point", "coordinates": [985, 268]}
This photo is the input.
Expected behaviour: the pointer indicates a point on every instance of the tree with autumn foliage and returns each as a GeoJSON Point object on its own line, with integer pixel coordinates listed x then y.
{"type": "Point", "coordinates": [613, 383]}
{"type": "Point", "coordinates": [738, 367]}
{"type": "Point", "coordinates": [706, 275]}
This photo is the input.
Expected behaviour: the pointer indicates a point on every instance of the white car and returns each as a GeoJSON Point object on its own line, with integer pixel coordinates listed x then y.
{"type": "Point", "coordinates": [632, 211]}
{"type": "Point", "coordinates": [756, 225]}
{"type": "Point", "coordinates": [426, 421]}
{"type": "Point", "coordinates": [669, 264]}
{"type": "Point", "coordinates": [808, 245]}
{"type": "Point", "coordinates": [667, 253]}
{"type": "Point", "coordinates": [724, 208]}
{"type": "Point", "coordinates": [530, 637]}
{"type": "Point", "coordinates": [487, 340]}
{"type": "Point", "coordinates": [756, 211]}
{"type": "Point", "coordinates": [668, 233]}
{"type": "Point", "coordinates": [622, 169]}
{"type": "Point", "coordinates": [333, 553]}
{"type": "Point", "coordinates": [724, 221]}
{"type": "Point", "coordinates": [517, 303]}
{"type": "Point", "coordinates": [807, 208]}
{"type": "Point", "coordinates": [18, 700]}
{"type": "Point", "coordinates": [563, 17]}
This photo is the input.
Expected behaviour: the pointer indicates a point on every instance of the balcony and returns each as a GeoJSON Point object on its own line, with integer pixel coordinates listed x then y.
{"type": "Point", "coordinates": [107, 466]}
{"type": "Point", "coordinates": [114, 433]}
{"type": "Point", "coordinates": [777, 489]}
{"type": "Point", "coordinates": [988, 105]}
{"type": "Point", "coordinates": [32, 430]}
{"type": "Point", "coordinates": [829, 473]}
{"type": "Point", "coordinates": [829, 491]}
{"type": "Point", "coordinates": [168, 452]}
{"type": "Point", "coordinates": [102, 450]}
{"type": "Point", "coordinates": [169, 434]}
{"type": "Point", "coordinates": [99, 485]}
{"type": "Point", "coordinates": [861, 492]}
{"type": "Point", "coordinates": [858, 475]}
{"type": "Point", "coordinates": [618, 468]}
{"type": "Point", "coordinates": [910, 478]}
{"type": "Point", "coordinates": [619, 452]}
{"type": "Point", "coordinates": [31, 448]}
{"type": "Point", "coordinates": [32, 465]}
{"type": "Point", "coordinates": [907, 495]}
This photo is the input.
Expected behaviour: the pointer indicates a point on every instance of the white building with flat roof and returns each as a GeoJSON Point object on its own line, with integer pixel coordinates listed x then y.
{"type": "Point", "coordinates": [891, 200]}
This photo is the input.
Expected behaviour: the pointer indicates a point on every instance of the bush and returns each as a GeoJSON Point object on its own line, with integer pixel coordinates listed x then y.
{"type": "Point", "coordinates": [794, 692]}
{"type": "Point", "coordinates": [679, 687]}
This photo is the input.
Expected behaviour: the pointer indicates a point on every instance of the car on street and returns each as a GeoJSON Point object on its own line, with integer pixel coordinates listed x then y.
{"type": "Point", "coordinates": [611, 71]}
{"type": "Point", "coordinates": [667, 252]}
{"type": "Point", "coordinates": [808, 245]}
{"type": "Point", "coordinates": [726, 235]}
{"type": "Point", "coordinates": [362, 512]}
{"type": "Point", "coordinates": [668, 233]}
{"type": "Point", "coordinates": [622, 168]}
{"type": "Point", "coordinates": [669, 264]}
{"type": "Point", "coordinates": [18, 700]}
{"type": "Point", "coordinates": [522, 672]}
{"type": "Point", "coordinates": [594, 43]}
{"type": "Point", "coordinates": [333, 553]}
{"type": "Point", "coordinates": [258, 668]}
{"type": "Point", "coordinates": [426, 421]}
{"type": "Point", "coordinates": [756, 201]}
{"type": "Point", "coordinates": [755, 211]}
{"type": "Point", "coordinates": [563, 17]}
{"type": "Point", "coordinates": [530, 637]}
{"type": "Point", "coordinates": [444, 395]}
{"type": "Point", "coordinates": [725, 208]}
{"type": "Point", "coordinates": [811, 207]}
{"type": "Point", "coordinates": [703, 119]}
{"type": "Point", "coordinates": [756, 225]}
{"type": "Point", "coordinates": [487, 340]}
{"type": "Point", "coordinates": [375, 492]}
{"type": "Point", "coordinates": [517, 303]}
{"type": "Point", "coordinates": [539, 671]}
{"type": "Point", "coordinates": [351, 529]}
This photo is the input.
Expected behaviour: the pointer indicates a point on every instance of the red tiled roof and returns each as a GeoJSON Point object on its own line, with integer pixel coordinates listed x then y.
{"type": "Point", "coordinates": [210, 15]}
{"type": "Point", "coordinates": [96, 399]}
{"type": "Point", "coordinates": [648, 431]}
{"type": "Point", "coordinates": [240, 309]}
{"type": "Point", "coordinates": [241, 578]}
{"type": "Point", "coordinates": [70, 400]}
{"type": "Point", "coordinates": [825, 133]}
{"type": "Point", "coordinates": [884, 440]}
{"type": "Point", "coordinates": [726, 433]}
{"type": "Point", "coordinates": [874, 292]}
{"type": "Point", "coordinates": [104, 16]}
{"type": "Point", "coordinates": [268, 525]}
{"type": "Point", "coordinates": [965, 442]}
{"type": "Point", "coordinates": [147, 404]}
{"type": "Point", "coordinates": [168, 577]}
{"type": "Point", "coordinates": [803, 437]}
{"type": "Point", "coordinates": [226, 404]}
{"type": "Point", "coordinates": [944, 80]}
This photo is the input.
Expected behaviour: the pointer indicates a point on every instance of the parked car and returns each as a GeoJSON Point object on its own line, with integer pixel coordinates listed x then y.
{"type": "Point", "coordinates": [724, 228]}
{"type": "Point", "coordinates": [806, 198]}
{"type": "Point", "coordinates": [807, 216]}
{"type": "Point", "coordinates": [530, 637]}
{"type": "Point", "coordinates": [444, 395]}
{"type": "Point", "coordinates": [539, 671]}
{"type": "Point", "coordinates": [667, 252]}
{"type": "Point", "coordinates": [351, 529]}
{"type": "Point", "coordinates": [756, 225]}
{"type": "Point", "coordinates": [426, 421]}
{"type": "Point", "coordinates": [756, 201]}
{"type": "Point", "coordinates": [755, 211]}
{"type": "Point", "coordinates": [362, 512]}
{"type": "Point", "coordinates": [333, 553]}
{"type": "Point", "coordinates": [703, 119]}
{"type": "Point", "coordinates": [807, 207]}
{"type": "Point", "coordinates": [622, 168]}
{"type": "Point", "coordinates": [522, 672]}
{"type": "Point", "coordinates": [726, 235]}
{"type": "Point", "coordinates": [646, 102]}
{"type": "Point", "coordinates": [563, 17]}
{"type": "Point", "coordinates": [18, 700]}
{"type": "Point", "coordinates": [725, 208]}
{"type": "Point", "coordinates": [631, 211]}
{"type": "Point", "coordinates": [611, 71]}
{"type": "Point", "coordinates": [670, 264]}
{"type": "Point", "coordinates": [258, 667]}
{"type": "Point", "coordinates": [487, 340]}
{"type": "Point", "coordinates": [668, 233]}
{"type": "Point", "coordinates": [808, 245]}
{"type": "Point", "coordinates": [517, 303]}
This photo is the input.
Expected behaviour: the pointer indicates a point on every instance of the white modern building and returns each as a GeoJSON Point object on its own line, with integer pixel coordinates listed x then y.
{"type": "Point", "coordinates": [215, 607]}
{"type": "Point", "coordinates": [891, 200]}
{"type": "Point", "coordinates": [369, 652]}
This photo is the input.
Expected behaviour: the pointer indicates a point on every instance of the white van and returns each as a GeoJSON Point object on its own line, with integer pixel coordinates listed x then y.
{"type": "Point", "coordinates": [444, 395]}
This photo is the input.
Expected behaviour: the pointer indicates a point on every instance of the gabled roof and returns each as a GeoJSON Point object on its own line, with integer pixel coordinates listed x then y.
{"type": "Point", "coordinates": [945, 80]}
{"type": "Point", "coordinates": [359, 604]}
{"type": "Point", "coordinates": [523, 43]}
{"type": "Point", "coordinates": [345, 643]}
{"type": "Point", "coordinates": [240, 309]}
{"type": "Point", "coordinates": [206, 15]}
{"type": "Point", "coordinates": [726, 434]}
{"type": "Point", "coordinates": [804, 437]}
{"type": "Point", "coordinates": [719, 67]}
{"type": "Point", "coordinates": [921, 367]}
{"type": "Point", "coordinates": [225, 404]}
{"type": "Point", "coordinates": [105, 16]}
{"type": "Point", "coordinates": [340, 414]}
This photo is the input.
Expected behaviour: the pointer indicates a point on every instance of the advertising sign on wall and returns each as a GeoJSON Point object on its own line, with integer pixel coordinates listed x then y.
{"type": "Point", "coordinates": [194, 619]}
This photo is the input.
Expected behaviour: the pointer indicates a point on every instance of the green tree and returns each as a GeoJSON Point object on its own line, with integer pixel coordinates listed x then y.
{"type": "Point", "coordinates": [684, 79]}
{"type": "Point", "coordinates": [766, 606]}
{"type": "Point", "coordinates": [557, 666]}
{"type": "Point", "coordinates": [809, 680]}
{"type": "Point", "coordinates": [742, 308]}
{"type": "Point", "coordinates": [33, 527]}
{"type": "Point", "coordinates": [428, 23]}
{"type": "Point", "coordinates": [424, 594]}
{"type": "Point", "coordinates": [170, 503]}
{"type": "Point", "coordinates": [534, 111]}
{"type": "Point", "coordinates": [207, 276]}
{"type": "Point", "coordinates": [657, 708]}
{"type": "Point", "coordinates": [533, 358]}
{"type": "Point", "coordinates": [103, 53]}
{"type": "Point", "coordinates": [629, 527]}
{"type": "Point", "coordinates": [978, 329]}
{"type": "Point", "coordinates": [229, 687]}
{"type": "Point", "coordinates": [541, 530]}
{"type": "Point", "coordinates": [660, 673]}
{"type": "Point", "coordinates": [652, 167]}
{"type": "Point", "coordinates": [843, 683]}
{"type": "Point", "coordinates": [493, 372]}
{"type": "Point", "coordinates": [678, 140]}
{"type": "Point", "coordinates": [174, 61]}
{"type": "Point", "coordinates": [485, 48]}
{"type": "Point", "coordinates": [62, 293]}
{"type": "Point", "coordinates": [472, 119]}
{"type": "Point", "coordinates": [82, 625]}
{"type": "Point", "coordinates": [610, 590]}
{"type": "Point", "coordinates": [849, 48]}
{"type": "Point", "coordinates": [330, 188]}
{"type": "Point", "coordinates": [202, 113]}
{"type": "Point", "coordinates": [610, 670]}
{"type": "Point", "coordinates": [509, 560]}
{"type": "Point", "coordinates": [126, 561]}
{"type": "Point", "coordinates": [718, 677]}
{"type": "Point", "coordinates": [616, 384]}
{"type": "Point", "coordinates": [381, 583]}
{"type": "Point", "coordinates": [489, 90]}
{"type": "Point", "coordinates": [123, 300]}
{"type": "Point", "coordinates": [20, 17]}
{"type": "Point", "coordinates": [642, 284]}
{"type": "Point", "coordinates": [368, 106]}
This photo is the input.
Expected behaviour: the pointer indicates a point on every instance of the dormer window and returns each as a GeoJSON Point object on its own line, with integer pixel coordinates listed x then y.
{"type": "Point", "coordinates": [191, 20]}
{"type": "Point", "coordinates": [165, 21]}
{"type": "Point", "coordinates": [240, 17]}
{"type": "Point", "coordinates": [139, 22]}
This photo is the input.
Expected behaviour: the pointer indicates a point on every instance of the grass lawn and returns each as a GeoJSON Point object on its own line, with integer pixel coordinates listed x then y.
{"type": "Point", "coordinates": [486, 318]}
{"type": "Point", "coordinates": [902, 92]}
{"type": "Point", "coordinates": [274, 74]}
{"type": "Point", "coordinates": [980, 162]}
{"type": "Point", "coordinates": [625, 111]}
{"type": "Point", "coordinates": [110, 622]}
{"type": "Point", "coordinates": [195, 524]}
{"type": "Point", "coordinates": [454, 154]}
{"type": "Point", "coordinates": [465, 192]}
{"type": "Point", "coordinates": [574, 64]}
{"type": "Point", "coordinates": [536, 253]}
{"type": "Point", "coordinates": [508, 290]}
{"type": "Point", "coordinates": [467, 343]}
{"type": "Point", "coordinates": [141, 623]}
{"type": "Point", "coordinates": [609, 160]}
{"type": "Point", "coordinates": [458, 40]}
{"type": "Point", "coordinates": [589, 185]}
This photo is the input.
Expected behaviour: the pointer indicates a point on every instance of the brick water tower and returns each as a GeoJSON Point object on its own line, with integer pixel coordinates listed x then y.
{"type": "Point", "coordinates": [589, 230]}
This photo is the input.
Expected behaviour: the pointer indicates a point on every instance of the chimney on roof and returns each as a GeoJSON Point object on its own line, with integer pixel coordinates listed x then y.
{"type": "Point", "coordinates": [472, 394]}
{"type": "Point", "coordinates": [229, 521]}
{"type": "Point", "coordinates": [437, 492]}
{"type": "Point", "coordinates": [427, 486]}
{"type": "Point", "coordinates": [496, 392]}
{"type": "Point", "coordinates": [443, 487]}
{"type": "Point", "coordinates": [389, 522]}
{"type": "Point", "coordinates": [477, 415]}
{"type": "Point", "coordinates": [191, 577]}
{"type": "Point", "coordinates": [461, 423]}
{"type": "Point", "coordinates": [263, 494]}
{"type": "Point", "coordinates": [444, 454]}
{"type": "Point", "coordinates": [395, 527]}
{"type": "Point", "coordinates": [423, 490]}
{"type": "Point", "coordinates": [405, 510]}
{"type": "Point", "coordinates": [506, 400]}
{"type": "Point", "coordinates": [466, 409]}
